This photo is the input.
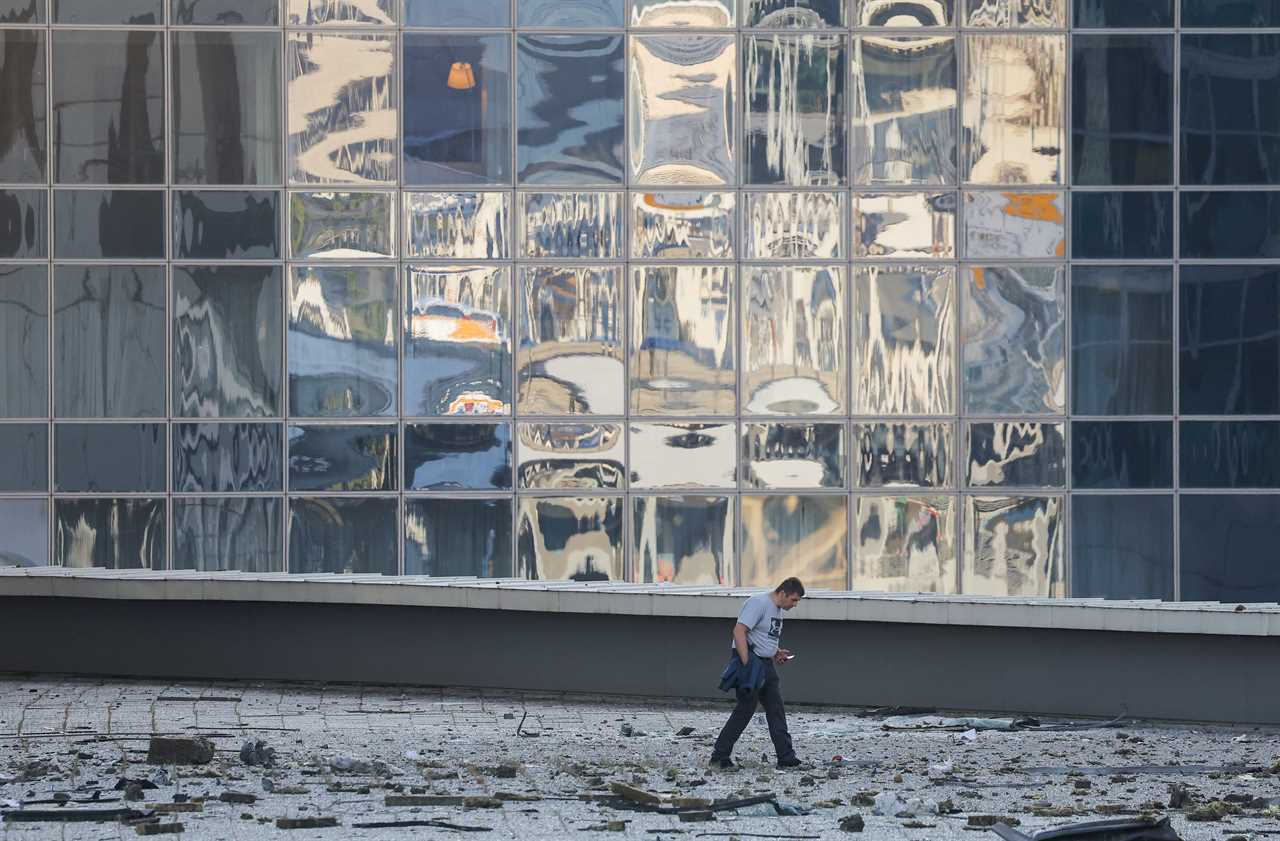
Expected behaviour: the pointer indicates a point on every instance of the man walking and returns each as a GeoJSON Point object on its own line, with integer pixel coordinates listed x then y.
{"type": "Point", "coordinates": [753, 674]}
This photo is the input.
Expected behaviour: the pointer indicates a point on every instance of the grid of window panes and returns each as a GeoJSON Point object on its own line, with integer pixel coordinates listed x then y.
{"type": "Point", "coordinates": [702, 291]}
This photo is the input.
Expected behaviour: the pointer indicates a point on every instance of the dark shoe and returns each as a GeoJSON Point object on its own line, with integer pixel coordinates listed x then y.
{"type": "Point", "coordinates": [789, 762]}
{"type": "Point", "coordinates": [725, 764]}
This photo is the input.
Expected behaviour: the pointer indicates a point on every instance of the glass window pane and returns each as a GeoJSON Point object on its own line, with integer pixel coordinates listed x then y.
{"type": "Point", "coordinates": [24, 532]}
{"type": "Point", "coordinates": [683, 14]}
{"type": "Point", "coordinates": [1013, 335]}
{"type": "Point", "coordinates": [879, 13]}
{"type": "Point", "coordinates": [457, 537]}
{"type": "Point", "coordinates": [109, 457]}
{"type": "Point", "coordinates": [787, 225]}
{"type": "Point", "coordinates": [1006, 224]}
{"type": "Point", "coordinates": [340, 12]}
{"type": "Point", "coordinates": [569, 14]}
{"type": "Point", "coordinates": [1012, 546]}
{"type": "Point", "coordinates": [342, 108]}
{"type": "Point", "coordinates": [793, 341]}
{"type": "Point", "coordinates": [462, 456]}
{"type": "Point", "coordinates": [109, 328]}
{"type": "Point", "coordinates": [349, 457]}
{"type": "Point", "coordinates": [563, 456]}
{"type": "Point", "coordinates": [1228, 547]}
{"type": "Point", "coordinates": [24, 341]}
{"type": "Point", "coordinates": [1229, 340]}
{"type": "Point", "coordinates": [240, 534]}
{"type": "Point", "coordinates": [109, 533]}
{"type": "Point", "coordinates": [1122, 340]}
{"type": "Point", "coordinates": [1229, 225]}
{"type": "Point", "coordinates": [457, 115]}
{"type": "Point", "coordinates": [675, 226]}
{"type": "Point", "coordinates": [1122, 225]}
{"type": "Point", "coordinates": [110, 224]}
{"type": "Point", "coordinates": [801, 535]}
{"type": "Point", "coordinates": [796, 125]}
{"type": "Point", "coordinates": [463, 14]}
{"type": "Point", "coordinates": [24, 224]}
{"type": "Point", "coordinates": [226, 12]}
{"type": "Point", "coordinates": [464, 226]}
{"type": "Point", "coordinates": [683, 107]}
{"type": "Point", "coordinates": [342, 226]}
{"type": "Point", "coordinates": [1006, 454]}
{"type": "Point", "coordinates": [1229, 454]}
{"type": "Point", "coordinates": [342, 341]}
{"type": "Point", "coordinates": [913, 226]}
{"type": "Point", "coordinates": [1122, 454]}
{"type": "Point", "coordinates": [1124, 13]}
{"type": "Point", "coordinates": [227, 457]}
{"type": "Point", "coordinates": [108, 105]}
{"type": "Point", "coordinates": [1122, 110]}
{"type": "Point", "coordinates": [682, 539]}
{"type": "Point", "coordinates": [22, 11]}
{"type": "Point", "coordinates": [1021, 14]}
{"type": "Point", "coordinates": [571, 225]}
{"type": "Point", "coordinates": [569, 108]}
{"type": "Point", "coordinates": [794, 455]}
{"type": "Point", "coordinates": [904, 352]}
{"type": "Point", "coordinates": [226, 341]}
{"type": "Point", "coordinates": [570, 538]}
{"type": "Point", "coordinates": [670, 454]}
{"type": "Point", "coordinates": [904, 122]}
{"type": "Point", "coordinates": [457, 353]}
{"type": "Point", "coordinates": [1230, 13]}
{"type": "Point", "coordinates": [904, 544]}
{"type": "Point", "coordinates": [26, 463]}
{"type": "Point", "coordinates": [682, 340]}
{"type": "Point", "coordinates": [226, 224]}
{"type": "Point", "coordinates": [23, 109]}
{"type": "Point", "coordinates": [1013, 108]}
{"type": "Point", "coordinates": [1122, 547]}
{"type": "Point", "coordinates": [343, 535]}
{"type": "Point", "coordinates": [136, 12]}
{"type": "Point", "coordinates": [903, 455]}
{"type": "Point", "coordinates": [793, 14]}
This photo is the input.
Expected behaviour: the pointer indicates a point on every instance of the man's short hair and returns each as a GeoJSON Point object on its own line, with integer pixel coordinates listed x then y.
{"type": "Point", "coordinates": [791, 587]}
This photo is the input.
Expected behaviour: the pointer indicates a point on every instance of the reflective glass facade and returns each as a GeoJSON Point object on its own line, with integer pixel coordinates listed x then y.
{"type": "Point", "coordinates": [950, 296]}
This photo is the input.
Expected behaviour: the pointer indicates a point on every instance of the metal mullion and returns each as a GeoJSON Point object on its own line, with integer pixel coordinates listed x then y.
{"type": "Point", "coordinates": [1176, 339]}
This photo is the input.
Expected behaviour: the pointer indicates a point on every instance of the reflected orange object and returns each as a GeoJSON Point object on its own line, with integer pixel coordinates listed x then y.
{"type": "Point", "coordinates": [473, 330]}
{"type": "Point", "coordinates": [462, 77]}
{"type": "Point", "coordinates": [476, 403]}
{"type": "Point", "coordinates": [1039, 207]}
{"type": "Point", "coordinates": [980, 277]}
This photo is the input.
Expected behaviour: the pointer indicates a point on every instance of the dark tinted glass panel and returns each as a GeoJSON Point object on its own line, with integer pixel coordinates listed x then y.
{"type": "Point", "coordinates": [225, 12]}
{"type": "Point", "coordinates": [1122, 112]}
{"type": "Point", "coordinates": [1123, 13]}
{"type": "Point", "coordinates": [222, 457]}
{"type": "Point", "coordinates": [569, 109]}
{"type": "Point", "coordinates": [110, 533]}
{"type": "Point", "coordinates": [569, 14]}
{"type": "Point", "coordinates": [457, 109]}
{"type": "Point", "coordinates": [1122, 340]}
{"type": "Point", "coordinates": [26, 457]}
{"type": "Point", "coordinates": [24, 532]}
{"type": "Point", "coordinates": [226, 107]}
{"type": "Point", "coordinates": [108, 457]}
{"type": "Point", "coordinates": [138, 12]}
{"type": "Point", "coordinates": [342, 458]}
{"type": "Point", "coordinates": [1122, 225]}
{"type": "Point", "coordinates": [1229, 340]}
{"type": "Point", "coordinates": [226, 341]}
{"type": "Point", "coordinates": [1230, 13]}
{"type": "Point", "coordinates": [110, 224]}
{"type": "Point", "coordinates": [1122, 547]}
{"type": "Point", "coordinates": [457, 13]}
{"type": "Point", "coordinates": [23, 129]}
{"type": "Point", "coordinates": [439, 456]}
{"type": "Point", "coordinates": [1229, 454]}
{"type": "Point", "coordinates": [222, 224]}
{"type": "Point", "coordinates": [108, 106]}
{"type": "Point", "coordinates": [24, 224]}
{"type": "Point", "coordinates": [1122, 454]}
{"type": "Point", "coordinates": [1231, 225]}
{"type": "Point", "coordinates": [109, 341]}
{"type": "Point", "coordinates": [457, 537]}
{"type": "Point", "coordinates": [22, 11]}
{"type": "Point", "coordinates": [1017, 454]}
{"type": "Point", "coordinates": [1231, 109]}
{"type": "Point", "coordinates": [343, 535]}
{"type": "Point", "coordinates": [246, 535]}
{"type": "Point", "coordinates": [24, 341]}
{"type": "Point", "coordinates": [1229, 547]}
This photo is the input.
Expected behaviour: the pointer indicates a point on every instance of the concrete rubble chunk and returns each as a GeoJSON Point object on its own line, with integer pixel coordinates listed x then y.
{"type": "Point", "coordinates": [852, 823]}
{"type": "Point", "coordinates": [635, 795]}
{"type": "Point", "coordinates": [238, 797]}
{"type": "Point", "coordinates": [180, 750]}
{"type": "Point", "coordinates": [172, 808]}
{"type": "Point", "coordinates": [305, 823]}
{"type": "Point", "coordinates": [697, 816]}
{"type": "Point", "coordinates": [172, 828]}
{"type": "Point", "coordinates": [991, 820]}
{"type": "Point", "coordinates": [608, 826]}
{"type": "Point", "coordinates": [257, 752]}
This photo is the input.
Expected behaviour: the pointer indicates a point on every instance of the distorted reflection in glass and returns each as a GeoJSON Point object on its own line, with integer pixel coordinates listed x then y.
{"type": "Point", "coordinates": [671, 454]}
{"type": "Point", "coordinates": [801, 535]}
{"type": "Point", "coordinates": [342, 226]}
{"type": "Point", "coordinates": [457, 456]}
{"type": "Point", "coordinates": [793, 14]}
{"type": "Point", "coordinates": [1122, 340]}
{"type": "Point", "coordinates": [22, 11]}
{"type": "Point", "coordinates": [116, 12]}
{"type": "Point", "coordinates": [795, 118]}
{"type": "Point", "coordinates": [226, 341]}
{"type": "Point", "coordinates": [458, 13]}
{"type": "Point", "coordinates": [1020, 14]}
{"type": "Point", "coordinates": [570, 538]}
{"type": "Point", "coordinates": [1229, 454]}
{"type": "Point", "coordinates": [463, 226]}
{"type": "Point", "coordinates": [226, 225]}
{"type": "Point", "coordinates": [109, 457]}
{"type": "Point", "coordinates": [24, 341]}
{"type": "Point", "coordinates": [904, 346]}
{"type": "Point", "coordinates": [24, 224]}
{"type": "Point", "coordinates": [340, 12]}
{"type": "Point", "coordinates": [1122, 547]}
{"type": "Point", "coordinates": [682, 540]}
{"type": "Point", "coordinates": [347, 457]}
{"type": "Point", "coordinates": [27, 466]}
{"type": "Point", "coordinates": [457, 114]}
{"type": "Point", "coordinates": [903, 13]}
{"type": "Point", "coordinates": [1012, 546]}
{"type": "Point", "coordinates": [903, 455]}
{"type": "Point", "coordinates": [24, 532]}
{"type": "Point", "coordinates": [793, 340]}
{"type": "Point", "coordinates": [342, 341]}
{"type": "Point", "coordinates": [571, 225]}
{"type": "Point", "coordinates": [344, 535]}
{"type": "Point", "coordinates": [1014, 225]}
{"type": "Point", "coordinates": [682, 340]}
{"type": "Point", "coordinates": [457, 340]}
{"type": "Point", "coordinates": [565, 456]}
{"type": "Point", "coordinates": [110, 224]}
{"type": "Point", "coordinates": [24, 107]}
{"type": "Point", "coordinates": [904, 544]}
{"type": "Point", "coordinates": [457, 537]}
{"type": "Point", "coordinates": [244, 534]}
{"type": "Point", "coordinates": [570, 357]}
{"type": "Point", "coordinates": [787, 225]}
{"type": "Point", "coordinates": [683, 101]}
{"type": "Point", "coordinates": [1013, 111]}
{"type": "Point", "coordinates": [227, 457]}
{"type": "Point", "coordinates": [226, 12]}
{"type": "Point", "coordinates": [569, 14]}
{"type": "Point", "coordinates": [912, 226]}
{"type": "Point", "coordinates": [569, 92]}
{"type": "Point", "coordinates": [1121, 454]}
{"type": "Point", "coordinates": [1228, 340]}
{"type": "Point", "coordinates": [342, 108]}
{"type": "Point", "coordinates": [1013, 335]}
{"type": "Point", "coordinates": [1005, 454]}
{"type": "Point", "coordinates": [109, 533]}
{"type": "Point", "coordinates": [794, 455]}
{"type": "Point", "coordinates": [904, 107]}
{"type": "Point", "coordinates": [675, 226]}
{"type": "Point", "coordinates": [683, 14]}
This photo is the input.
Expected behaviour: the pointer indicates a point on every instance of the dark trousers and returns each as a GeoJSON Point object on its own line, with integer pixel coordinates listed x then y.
{"type": "Point", "coordinates": [770, 695]}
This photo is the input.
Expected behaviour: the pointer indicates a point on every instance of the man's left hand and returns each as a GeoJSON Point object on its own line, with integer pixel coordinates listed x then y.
{"type": "Point", "coordinates": [781, 656]}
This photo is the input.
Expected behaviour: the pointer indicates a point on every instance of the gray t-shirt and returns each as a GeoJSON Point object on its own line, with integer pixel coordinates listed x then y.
{"type": "Point", "coordinates": [764, 624]}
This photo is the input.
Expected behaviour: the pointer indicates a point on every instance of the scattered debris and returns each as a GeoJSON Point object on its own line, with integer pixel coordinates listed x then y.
{"type": "Point", "coordinates": [172, 828]}
{"type": "Point", "coordinates": [636, 795]}
{"type": "Point", "coordinates": [991, 820]}
{"type": "Point", "coordinates": [697, 816]}
{"type": "Point", "coordinates": [305, 823]}
{"type": "Point", "coordinates": [65, 815]}
{"type": "Point", "coordinates": [609, 826]}
{"type": "Point", "coordinates": [438, 824]}
{"type": "Point", "coordinates": [852, 823]}
{"type": "Point", "coordinates": [1214, 810]}
{"type": "Point", "coordinates": [1124, 829]}
{"type": "Point", "coordinates": [241, 797]}
{"type": "Point", "coordinates": [257, 752]}
{"type": "Point", "coordinates": [628, 730]}
{"type": "Point", "coordinates": [685, 731]}
{"type": "Point", "coordinates": [164, 750]}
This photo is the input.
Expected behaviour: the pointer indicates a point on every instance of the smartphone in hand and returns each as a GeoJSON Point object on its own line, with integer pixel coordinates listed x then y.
{"type": "Point", "coordinates": [789, 657]}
